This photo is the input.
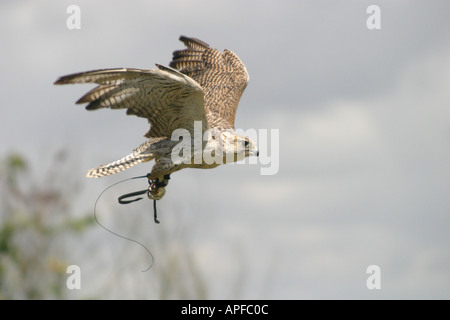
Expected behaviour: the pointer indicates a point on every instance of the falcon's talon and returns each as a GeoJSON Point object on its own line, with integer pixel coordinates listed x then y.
{"type": "Point", "coordinates": [156, 194]}
{"type": "Point", "coordinates": [156, 190]}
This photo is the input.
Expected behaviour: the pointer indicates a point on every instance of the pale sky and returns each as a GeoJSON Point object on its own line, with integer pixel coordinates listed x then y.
{"type": "Point", "coordinates": [364, 136]}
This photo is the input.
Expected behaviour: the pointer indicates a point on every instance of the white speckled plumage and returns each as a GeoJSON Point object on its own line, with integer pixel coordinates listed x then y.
{"type": "Point", "coordinates": [201, 84]}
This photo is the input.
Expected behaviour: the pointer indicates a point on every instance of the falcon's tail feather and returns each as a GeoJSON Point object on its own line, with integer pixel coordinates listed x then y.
{"type": "Point", "coordinates": [119, 165]}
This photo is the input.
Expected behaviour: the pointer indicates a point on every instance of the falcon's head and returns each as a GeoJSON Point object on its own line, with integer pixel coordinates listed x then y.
{"type": "Point", "coordinates": [238, 145]}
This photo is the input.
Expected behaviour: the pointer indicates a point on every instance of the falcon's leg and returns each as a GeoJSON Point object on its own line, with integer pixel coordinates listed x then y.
{"type": "Point", "coordinates": [165, 181]}
{"type": "Point", "coordinates": [161, 183]}
{"type": "Point", "coordinates": [156, 190]}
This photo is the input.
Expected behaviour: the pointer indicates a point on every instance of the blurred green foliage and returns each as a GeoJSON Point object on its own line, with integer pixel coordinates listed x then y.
{"type": "Point", "coordinates": [34, 222]}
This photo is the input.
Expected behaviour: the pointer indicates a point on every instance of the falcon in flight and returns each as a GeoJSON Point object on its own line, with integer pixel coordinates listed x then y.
{"type": "Point", "coordinates": [197, 96]}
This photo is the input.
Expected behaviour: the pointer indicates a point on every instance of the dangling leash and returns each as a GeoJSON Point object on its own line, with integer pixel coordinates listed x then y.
{"type": "Point", "coordinates": [122, 201]}
{"type": "Point", "coordinates": [150, 191]}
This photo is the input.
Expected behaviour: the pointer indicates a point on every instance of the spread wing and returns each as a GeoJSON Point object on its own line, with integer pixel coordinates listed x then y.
{"type": "Point", "coordinates": [222, 75]}
{"type": "Point", "coordinates": [166, 97]}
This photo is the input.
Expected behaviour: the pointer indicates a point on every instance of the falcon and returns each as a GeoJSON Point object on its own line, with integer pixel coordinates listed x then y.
{"type": "Point", "coordinates": [195, 96]}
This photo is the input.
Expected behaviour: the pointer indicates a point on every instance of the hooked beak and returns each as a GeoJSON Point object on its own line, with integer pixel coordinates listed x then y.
{"type": "Point", "coordinates": [253, 151]}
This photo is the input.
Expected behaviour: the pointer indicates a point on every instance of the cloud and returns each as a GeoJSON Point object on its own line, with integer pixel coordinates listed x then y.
{"type": "Point", "coordinates": [361, 180]}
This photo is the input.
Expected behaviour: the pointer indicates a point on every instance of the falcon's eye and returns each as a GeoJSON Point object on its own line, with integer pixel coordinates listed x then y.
{"type": "Point", "coordinates": [246, 143]}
